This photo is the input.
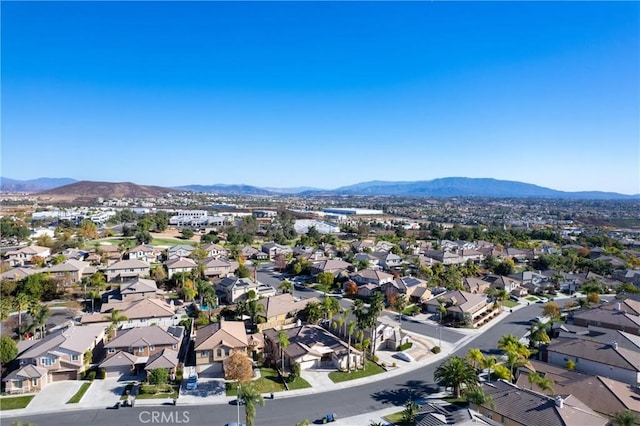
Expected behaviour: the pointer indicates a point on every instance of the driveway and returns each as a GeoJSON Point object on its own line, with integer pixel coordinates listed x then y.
{"type": "Point", "coordinates": [103, 393]}
{"type": "Point", "coordinates": [208, 390]}
{"type": "Point", "coordinates": [55, 395]}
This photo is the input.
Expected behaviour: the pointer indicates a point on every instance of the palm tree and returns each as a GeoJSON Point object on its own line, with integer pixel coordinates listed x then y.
{"type": "Point", "coordinates": [626, 418]}
{"type": "Point", "coordinates": [255, 308]}
{"type": "Point", "coordinates": [116, 317]}
{"type": "Point", "coordinates": [479, 397]}
{"type": "Point", "coordinates": [456, 372]}
{"type": "Point", "coordinates": [400, 303]}
{"type": "Point", "coordinates": [283, 340]}
{"type": "Point", "coordinates": [337, 324]}
{"type": "Point", "coordinates": [489, 363]}
{"type": "Point", "coordinates": [250, 397]}
{"type": "Point", "coordinates": [94, 294]}
{"type": "Point", "coordinates": [286, 286]}
{"type": "Point", "coordinates": [351, 327]}
{"type": "Point", "coordinates": [210, 301]}
{"type": "Point", "coordinates": [21, 303]}
{"type": "Point", "coordinates": [538, 333]}
{"type": "Point", "coordinates": [517, 356]}
{"type": "Point", "coordinates": [544, 383]}
{"type": "Point", "coordinates": [506, 340]}
{"type": "Point", "coordinates": [476, 357]}
{"type": "Point", "coordinates": [5, 309]}
{"type": "Point", "coordinates": [409, 412]}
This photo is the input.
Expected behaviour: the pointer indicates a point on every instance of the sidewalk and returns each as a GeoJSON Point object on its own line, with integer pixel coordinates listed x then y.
{"type": "Point", "coordinates": [319, 381]}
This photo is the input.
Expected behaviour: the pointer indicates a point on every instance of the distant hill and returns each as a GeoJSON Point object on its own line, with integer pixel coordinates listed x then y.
{"type": "Point", "coordinates": [88, 189]}
{"type": "Point", "coordinates": [296, 190]}
{"type": "Point", "coordinates": [33, 185]}
{"type": "Point", "coordinates": [469, 187]}
{"type": "Point", "coordinates": [226, 189]}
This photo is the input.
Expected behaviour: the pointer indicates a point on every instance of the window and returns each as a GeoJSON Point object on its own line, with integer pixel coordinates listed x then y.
{"type": "Point", "coordinates": [112, 350]}
{"type": "Point", "coordinates": [205, 353]}
{"type": "Point", "coordinates": [141, 349]}
{"type": "Point", "coordinates": [151, 348]}
{"type": "Point", "coordinates": [220, 352]}
{"type": "Point", "coordinates": [74, 357]}
{"type": "Point", "coordinates": [34, 382]}
{"type": "Point", "coordinates": [46, 361]}
{"type": "Point", "coordinates": [143, 320]}
{"type": "Point", "coordinates": [175, 346]}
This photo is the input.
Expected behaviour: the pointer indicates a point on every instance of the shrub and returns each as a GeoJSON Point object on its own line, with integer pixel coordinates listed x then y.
{"type": "Point", "coordinates": [404, 346]}
{"type": "Point", "coordinates": [90, 375]}
{"type": "Point", "coordinates": [375, 359]}
{"type": "Point", "coordinates": [158, 376]}
{"type": "Point", "coordinates": [102, 373]}
{"type": "Point", "coordinates": [436, 349]}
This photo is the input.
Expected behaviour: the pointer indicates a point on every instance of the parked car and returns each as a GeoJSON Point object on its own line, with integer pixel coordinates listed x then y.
{"type": "Point", "coordinates": [514, 298]}
{"type": "Point", "coordinates": [404, 356]}
{"type": "Point", "coordinates": [192, 383]}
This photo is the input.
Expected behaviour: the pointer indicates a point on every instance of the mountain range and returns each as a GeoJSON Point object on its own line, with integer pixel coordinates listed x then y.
{"type": "Point", "coordinates": [443, 187]}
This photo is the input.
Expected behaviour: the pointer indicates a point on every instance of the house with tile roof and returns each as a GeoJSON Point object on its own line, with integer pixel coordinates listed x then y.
{"type": "Point", "coordinates": [71, 271]}
{"type": "Point", "coordinates": [215, 342]}
{"type": "Point", "coordinates": [232, 289]}
{"type": "Point", "coordinates": [127, 269]}
{"type": "Point", "coordinates": [461, 306]}
{"type": "Point", "coordinates": [58, 356]}
{"type": "Point", "coordinates": [139, 288]}
{"type": "Point", "coordinates": [217, 267]}
{"type": "Point", "coordinates": [144, 252]}
{"type": "Point", "coordinates": [281, 309]}
{"type": "Point", "coordinates": [617, 315]}
{"type": "Point", "coordinates": [311, 346]}
{"type": "Point", "coordinates": [215, 251]}
{"type": "Point", "coordinates": [139, 313]}
{"type": "Point", "coordinates": [17, 274]}
{"type": "Point", "coordinates": [603, 395]}
{"type": "Point", "coordinates": [512, 405]}
{"type": "Point", "coordinates": [179, 264]}
{"type": "Point", "coordinates": [24, 255]}
{"type": "Point", "coordinates": [371, 276]}
{"type": "Point", "coordinates": [334, 266]}
{"type": "Point", "coordinates": [602, 359]}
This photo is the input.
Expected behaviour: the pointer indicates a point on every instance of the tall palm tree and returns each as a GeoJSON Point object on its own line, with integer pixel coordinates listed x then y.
{"type": "Point", "coordinates": [544, 383]}
{"type": "Point", "coordinates": [479, 397]}
{"type": "Point", "coordinates": [350, 328]}
{"type": "Point", "coordinates": [489, 363]}
{"type": "Point", "coordinates": [39, 315]}
{"type": "Point", "coordinates": [21, 302]}
{"type": "Point", "coordinates": [255, 308]}
{"type": "Point", "coordinates": [116, 317]}
{"type": "Point", "coordinates": [476, 357]}
{"type": "Point", "coordinates": [283, 340]}
{"type": "Point", "coordinates": [210, 301]}
{"type": "Point", "coordinates": [250, 398]}
{"type": "Point", "coordinates": [517, 356]}
{"type": "Point", "coordinates": [337, 324]}
{"type": "Point", "coordinates": [456, 372]}
{"type": "Point", "coordinates": [506, 340]}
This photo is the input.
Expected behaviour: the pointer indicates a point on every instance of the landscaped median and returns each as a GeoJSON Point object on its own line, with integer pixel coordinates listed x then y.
{"type": "Point", "coordinates": [78, 396]}
{"type": "Point", "coordinates": [15, 402]}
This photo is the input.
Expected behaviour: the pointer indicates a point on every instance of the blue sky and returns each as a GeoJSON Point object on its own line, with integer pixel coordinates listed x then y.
{"type": "Point", "coordinates": [323, 94]}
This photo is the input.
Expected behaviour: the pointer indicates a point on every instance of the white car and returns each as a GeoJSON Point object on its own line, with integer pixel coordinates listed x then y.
{"type": "Point", "coordinates": [405, 356]}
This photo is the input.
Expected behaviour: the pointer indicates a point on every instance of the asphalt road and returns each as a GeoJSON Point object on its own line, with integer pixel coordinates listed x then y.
{"type": "Point", "coordinates": [288, 411]}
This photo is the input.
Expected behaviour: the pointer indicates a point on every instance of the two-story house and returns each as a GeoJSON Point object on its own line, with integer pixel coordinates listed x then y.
{"type": "Point", "coordinates": [127, 269]}
{"type": "Point", "coordinates": [139, 313]}
{"type": "Point", "coordinates": [179, 264]}
{"type": "Point", "coordinates": [62, 355]}
{"type": "Point", "coordinates": [139, 288]}
{"type": "Point", "coordinates": [144, 252]}
{"type": "Point", "coordinates": [232, 289]}
{"type": "Point", "coordinates": [25, 255]}
{"type": "Point", "coordinates": [216, 342]}
{"type": "Point", "coordinates": [216, 267]}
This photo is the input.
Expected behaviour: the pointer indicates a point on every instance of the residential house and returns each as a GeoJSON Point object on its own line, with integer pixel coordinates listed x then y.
{"type": "Point", "coordinates": [166, 358]}
{"type": "Point", "coordinates": [25, 255]}
{"type": "Point", "coordinates": [179, 264]}
{"type": "Point", "coordinates": [603, 395]}
{"type": "Point", "coordinates": [144, 252]}
{"type": "Point", "coordinates": [363, 246]}
{"type": "Point", "coordinates": [127, 269]}
{"type": "Point", "coordinates": [475, 285]}
{"type": "Point", "coordinates": [139, 288]}
{"type": "Point", "coordinates": [71, 271]}
{"type": "Point", "coordinates": [627, 276]}
{"type": "Point", "coordinates": [471, 255]}
{"type": "Point", "coordinates": [111, 252]}
{"type": "Point", "coordinates": [232, 289]}
{"type": "Point", "coordinates": [17, 274]}
{"type": "Point", "coordinates": [512, 405]}
{"type": "Point", "coordinates": [310, 346]}
{"type": "Point", "coordinates": [461, 306]}
{"type": "Point", "coordinates": [281, 309]}
{"type": "Point", "coordinates": [437, 414]}
{"type": "Point", "coordinates": [415, 289]}
{"type": "Point", "coordinates": [58, 356]}
{"type": "Point", "coordinates": [143, 343]}
{"type": "Point", "coordinates": [215, 250]}
{"type": "Point", "coordinates": [215, 342]}
{"type": "Point", "coordinates": [445, 257]}
{"type": "Point", "coordinates": [334, 266]}
{"type": "Point", "coordinates": [382, 247]}
{"type": "Point", "coordinates": [603, 359]}
{"type": "Point", "coordinates": [367, 257]}
{"type": "Point", "coordinates": [273, 249]}
{"type": "Point", "coordinates": [217, 267]}
{"type": "Point", "coordinates": [622, 317]}
{"type": "Point", "coordinates": [500, 282]}
{"type": "Point", "coordinates": [388, 260]}
{"type": "Point", "coordinates": [139, 313]}
{"type": "Point", "coordinates": [252, 253]}
{"type": "Point", "coordinates": [181, 250]}
{"type": "Point", "coordinates": [371, 276]}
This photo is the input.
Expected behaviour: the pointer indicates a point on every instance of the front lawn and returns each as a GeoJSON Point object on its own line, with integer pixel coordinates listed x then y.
{"type": "Point", "coordinates": [157, 391]}
{"type": "Point", "coordinates": [510, 303]}
{"type": "Point", "coordinates": [411, 310]}
{"type": "Point", "coordinates": [14, 403]}
{"type": "Point", "coordinates": [532, 298]}
{"type": "Point", "coordinates": [396, 419]}
{"type": "Point", "coordinates": [268, 382]}
{"type": "Point", "coordinates": [78, 396]}
{"type": "Point", "coordinates": [170, 242]}
{"type": "Point", "coordinates": [370, 369]}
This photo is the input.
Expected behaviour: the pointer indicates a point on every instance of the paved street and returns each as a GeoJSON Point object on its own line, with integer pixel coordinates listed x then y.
{"type": "Point", "coordinates": [342, 399]}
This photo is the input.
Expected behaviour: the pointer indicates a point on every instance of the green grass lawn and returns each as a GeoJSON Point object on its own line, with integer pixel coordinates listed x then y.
{"type": "Point", "coordinates": [532, 298]}
{"type": "Point", "coordinates": [410, 310]}
{"type": "Point", "coordinates": [157, 391]}
{"type": "Point", "coordinates": [268, 382]}
{"type": "Point", "coordinates": [170, 242]}
{"type": "Point", "coordinates": [370, 369]}
{"type": "Point", "coordinates": [78, 396]}
{"type": "Point", "coordinates": [462, 401]}
{"type": "Point", "coordinates": [510, 303]}
{"type": "Point", "coordinates": [14, 403]}
{"type": "Point", "coordinates": [396, 419]}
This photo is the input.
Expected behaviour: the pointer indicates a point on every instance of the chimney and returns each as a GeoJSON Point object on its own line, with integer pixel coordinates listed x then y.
{"type": "Point", "coordinates": [618, 306]}
{"type": "Point", "coordinates": [614, 344]}
{"type": "Point", "coordinates": [559, 401]}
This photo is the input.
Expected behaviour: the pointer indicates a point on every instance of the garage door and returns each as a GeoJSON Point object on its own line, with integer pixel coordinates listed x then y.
{"type": "Point", "coordinates": [118, 372]}
{"type": "Point", "coordinates": [209, 369]}
{"type": "Point", "coordinates": [308, 364]}
{"type": "Point", "coordinates": [64, 375]}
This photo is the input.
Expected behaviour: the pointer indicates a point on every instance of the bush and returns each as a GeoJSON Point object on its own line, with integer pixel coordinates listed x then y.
{"type": "Point", "coordinates": [90, 375]}
{"type": "Point", "coordinates": [102, 374]}
{"type": "Point", "coordinates": [158, 376]}
{"type": "Point", "coordinates": [436, 349]}
{"type": "Point", "coordinates": [404, 346]}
